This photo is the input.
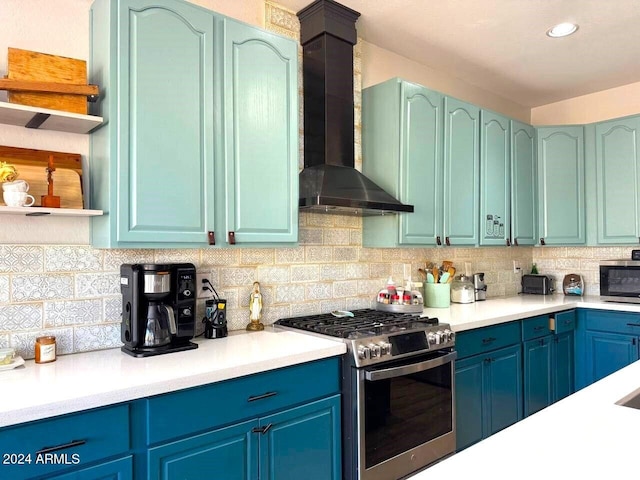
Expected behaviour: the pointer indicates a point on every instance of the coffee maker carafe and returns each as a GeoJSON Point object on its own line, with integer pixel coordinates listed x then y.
{"type": "Point", "coordinates": [158, 308]}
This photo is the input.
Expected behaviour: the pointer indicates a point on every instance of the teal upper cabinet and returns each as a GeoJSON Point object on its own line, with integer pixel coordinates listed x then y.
{"type": "Point", "coordinates": [402, 152]}
{"type": "Point", "coordinates": [523, 182]}
{"type": "Point", "coordinates": [152, 161]}
{"type": "Point", "coordinates": [261, 131]}
{"type": "Point", "coordinates": [495, 192]}
{"type": "Point", "coordinates": [461, 172]}
{"type": "Point", "coordinates": [617, 180]}
{"type": "Point", "coordinates": [561, 185]}
{"type": "Point", "coordinates": [183, 158]}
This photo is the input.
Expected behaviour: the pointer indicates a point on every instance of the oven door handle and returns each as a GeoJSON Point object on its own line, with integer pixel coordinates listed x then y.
{"type": "Point", "coordinates": [374, 375]}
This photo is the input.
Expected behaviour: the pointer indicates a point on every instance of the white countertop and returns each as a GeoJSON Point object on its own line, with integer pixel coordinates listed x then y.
{"type": "Point", "coordinates": [94, 379]}
{"type": "Point", "coordinates": [88, 380]}
{"type": "Point", "coordinates": [586, 435]}
{"type": "Point", "coordinates": [500, 310]}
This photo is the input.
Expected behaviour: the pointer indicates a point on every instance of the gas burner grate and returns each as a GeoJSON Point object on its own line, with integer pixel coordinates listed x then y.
{"type": "Point", "coordinates": [365, 322]}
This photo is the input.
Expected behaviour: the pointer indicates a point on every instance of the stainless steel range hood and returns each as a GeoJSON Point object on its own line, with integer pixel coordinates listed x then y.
{"type": "Point", "coordinates": [329, 183]}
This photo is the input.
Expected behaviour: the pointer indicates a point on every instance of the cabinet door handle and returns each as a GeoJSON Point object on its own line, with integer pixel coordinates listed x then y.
{"type": "Point", "coordinates": [262, 430]}
{"type": "Point", "coordinates": [633, 342]}
{"type": "Point", "coordinates": [542, 342]}
{"type": "Point", "coordinates": [508, 242]}
{"type": "Point", "coordinates": [212, 238]}
{"type": "Point", "coordinates": [446, 240]}
{"type": "Point", "coordinates": [515, 242]}
{"type": "Point", "coordinates": [438, 240]}
{"type": "Point", "coordinates": [542, 241]}
{"type": "Point", "coordinates": [485, 341]}
{"type": "Point", "coordinates": [261, 397]}
{"type": "Point", "coordinates": [633, 324]}
{"type": "Point", "coordinates": [539, 327]}
{"type": "Point", "coordinates": [487, 360]}
{"type": "Point", "coordinates": [71, 444]}
{"type": "Point", "coordinates": [232, 238]}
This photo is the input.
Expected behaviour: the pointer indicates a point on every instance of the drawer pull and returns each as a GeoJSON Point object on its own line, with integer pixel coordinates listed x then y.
{"type": "Point", "coordinates": [261, 397]}
{"type": "Point", "coordinates": [262, 430]}
{"type": "Point", "coordinates": [485, 341]}
{"type": "Point", "coordinates": [633, 324]}
{"type": "Point", "coordinates": [539, 327]}
{"type": "Point", "coordinates": [568, 322]}
{"type": "Point", "coordinates": [71, 444]}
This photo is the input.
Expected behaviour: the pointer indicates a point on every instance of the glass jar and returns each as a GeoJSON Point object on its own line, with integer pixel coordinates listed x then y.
{"type": "Point", "coordinates": [45, 349]}
{"type": "Point", "coordinates": [462, 290]}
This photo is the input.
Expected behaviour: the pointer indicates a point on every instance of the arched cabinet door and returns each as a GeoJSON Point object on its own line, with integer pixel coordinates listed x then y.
{"type": "Point", "coordinates": [152, 160]}
{"type": "Point", "coordinates": [617, 180]}
{"type": "Point", "coordinates": [561, 185]}
{"type": "Point", "coordinates": [260, 122]}
{"type": "Point", "coordinates": [461, 172]}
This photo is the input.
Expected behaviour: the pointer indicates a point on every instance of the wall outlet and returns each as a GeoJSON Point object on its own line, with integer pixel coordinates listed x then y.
{"type": "Point", "coordinates": [516, 266]}
{"type": "Point", "coordinates": [202, 287]}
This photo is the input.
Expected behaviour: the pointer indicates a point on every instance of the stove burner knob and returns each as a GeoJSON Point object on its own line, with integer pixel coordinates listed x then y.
{"type": "Point", "coordinates": [364, 352]}
{"type": "Point", "coordinates": [376, 351]}
{"type": "Point", "coordinates": [440, 337]}
{"type": "Point", "coordinates": [385, 348]}
{"type": "Point", "coordinates": [431, 338]}
{"type": "Point", "coordinates": [448, 335]}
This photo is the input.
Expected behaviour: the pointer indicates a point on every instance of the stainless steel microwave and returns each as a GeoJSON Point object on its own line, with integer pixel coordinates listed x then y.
{"type": "Point", "coordinates": [620, 280]}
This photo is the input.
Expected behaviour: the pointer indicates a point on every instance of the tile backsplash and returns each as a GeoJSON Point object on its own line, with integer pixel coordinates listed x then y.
{"type": "Point", "coordinates": [73, 292]}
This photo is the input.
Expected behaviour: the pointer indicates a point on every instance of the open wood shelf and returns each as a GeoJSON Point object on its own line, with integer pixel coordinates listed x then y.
{"type": "Point", "coordinates": [46, 119]}
{"type": "Point", "coordinates": [55, 212]}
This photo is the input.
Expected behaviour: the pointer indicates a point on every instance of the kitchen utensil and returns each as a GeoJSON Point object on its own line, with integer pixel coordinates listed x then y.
{"type": "Point", "coordinates": [436, 274]}
{"type": "Point", "coordinates": [452, 272]}
{"type": "Point", "coordinates": [342, 313]}
{"type": "Point", "coordinates": [444, 278]}
{"type": "Point", "coordinates": [430, 278]}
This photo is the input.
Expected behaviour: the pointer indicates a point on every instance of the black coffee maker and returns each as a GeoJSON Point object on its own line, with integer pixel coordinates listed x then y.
{"type": "Point", "coordinates": [158, 308]}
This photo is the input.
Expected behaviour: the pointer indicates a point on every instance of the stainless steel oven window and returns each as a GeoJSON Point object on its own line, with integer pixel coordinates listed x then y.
{"type": "Point", "coordinates": [405, 410]}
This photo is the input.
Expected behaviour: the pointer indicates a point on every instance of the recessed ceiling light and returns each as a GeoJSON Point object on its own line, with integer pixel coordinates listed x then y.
{"type": "Point", "coordinates": [562, 30]}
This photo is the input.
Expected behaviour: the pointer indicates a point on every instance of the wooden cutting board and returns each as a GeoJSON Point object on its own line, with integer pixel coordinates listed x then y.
{"type": "Point", "coordinates": [29, 65]}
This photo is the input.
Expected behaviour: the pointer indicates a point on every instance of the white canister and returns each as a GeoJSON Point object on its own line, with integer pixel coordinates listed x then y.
{"type": "Point", "coordinates": [462, 290]}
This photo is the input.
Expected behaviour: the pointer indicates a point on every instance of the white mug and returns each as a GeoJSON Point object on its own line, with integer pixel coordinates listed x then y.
{"type": "Point", "coordinates": [15, 186]}
{"type": "Point", "coordinates": [18, 199]}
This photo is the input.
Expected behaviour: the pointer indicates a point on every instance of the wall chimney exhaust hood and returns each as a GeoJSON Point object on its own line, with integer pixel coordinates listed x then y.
{"type": "Point", "coordinates": [329, 183]}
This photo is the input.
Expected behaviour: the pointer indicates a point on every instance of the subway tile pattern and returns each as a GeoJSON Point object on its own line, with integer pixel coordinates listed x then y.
{"type": "Point", "coordinates": [73, 312]}
{"type": "Point", "coordinates": [21, 258]}
{"type": "Point", "coordinates": [25, 288]}
{"type": "Point", "coordinates": [4, 289]}
{"type": "Point", "coordinates": [72, 259]}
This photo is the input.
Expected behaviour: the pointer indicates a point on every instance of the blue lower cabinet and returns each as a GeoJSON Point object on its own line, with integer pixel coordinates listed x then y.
{"type": "Point", "coordinates": [608, 352]}
{"type": "Point", "coordinates": [563, 358]}
{"type": "Point", "coordinates": [121, 469]}
{"type": "Point", "coordinates": [537, 374]}
{"type": "Point", "coordinates": [66, 443]}
{"type": "Point", "coordinates": [302, 442]}
{"type": "Point", "coordinates": [227, 454]}
{"type": "Point", "coordinates": [606, 341]}
{"type": "Point", "coordinates": [488, 394]}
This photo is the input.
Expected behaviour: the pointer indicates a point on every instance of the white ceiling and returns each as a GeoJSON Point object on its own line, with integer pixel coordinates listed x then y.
{"type": "Point", "coordinates": [501, 45]}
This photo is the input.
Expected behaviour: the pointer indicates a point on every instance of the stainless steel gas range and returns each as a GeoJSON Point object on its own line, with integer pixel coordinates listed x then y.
{"type": "Point", "coordinates": [398, 386]}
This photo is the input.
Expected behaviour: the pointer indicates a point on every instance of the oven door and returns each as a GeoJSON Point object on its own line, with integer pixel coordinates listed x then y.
{"type": "Point", "coordinates": [406, 417]}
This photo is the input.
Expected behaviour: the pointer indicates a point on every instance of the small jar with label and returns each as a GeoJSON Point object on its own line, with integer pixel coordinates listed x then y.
{"type": "Point", "coordinates": [45, 349]}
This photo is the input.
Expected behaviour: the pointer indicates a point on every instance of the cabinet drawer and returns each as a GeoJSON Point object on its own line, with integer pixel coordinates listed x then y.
{"type": "Point", "coordinates": [565, 321]}
{"type": "Point", "coordinates": [61, 442]}
{"type": "Point", "coordinates": [472, 342]}
{"type": "Point", "coordinates": [197, 409]}
{"type": "Point", "coordinates": [614, 322]}
{"type": "Point", "coordinates": [535, 327]}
